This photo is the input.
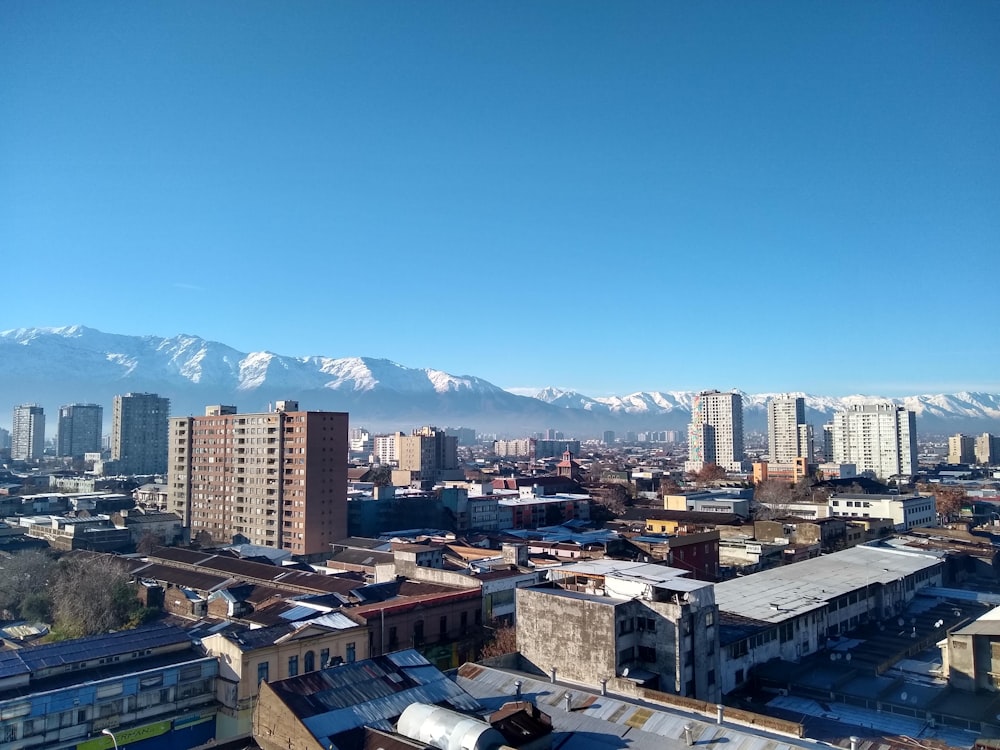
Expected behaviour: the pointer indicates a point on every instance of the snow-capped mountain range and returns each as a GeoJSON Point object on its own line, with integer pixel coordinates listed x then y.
{"type": "Point", "coordinates": [55, 366]}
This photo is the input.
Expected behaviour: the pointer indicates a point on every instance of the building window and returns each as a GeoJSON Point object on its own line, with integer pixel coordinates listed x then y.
{"type": "Point", "coordinates": [393, 639]}
{"type": "Point", "coordinates": [324, 658]}
{"type": "Point", "coordinates": [309, 662]}
{"type": "Point", "coordinates": [262, 670]}
{"type": "Point", "coordinates": [351, 652]}
{"type": "Point", "coordinates": [444, 626]}
{"type": "Point", "coordinates": [293, 666]}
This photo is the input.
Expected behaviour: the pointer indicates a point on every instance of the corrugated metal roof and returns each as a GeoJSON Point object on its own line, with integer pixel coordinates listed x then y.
{"type": "Point", "coordinates": [35, 658]}
{"type": "Point", "coordinates": [597, 721]}
{"type": "Point", "coordinates": [368, 693]}
{"type": "Point", "coordinates": [788, 591]}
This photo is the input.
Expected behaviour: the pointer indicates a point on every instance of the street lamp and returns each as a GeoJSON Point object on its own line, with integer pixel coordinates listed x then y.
{"type": "Point", "coordinates": [111, 735]}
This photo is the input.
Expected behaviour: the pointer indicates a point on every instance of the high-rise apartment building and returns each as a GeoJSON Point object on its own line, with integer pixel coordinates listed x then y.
{"type": "Point", "coordinates": [80, 428]}
{"type": "Point", "coordinates": [139, 433]}
{"type": "Point", "coordinates": [880, 438]}
{"type": "Point", "coordinates": [427, 453]}
{"type": "Point", "coordinates": [27, 441]}
{"type": "Point", "coordinates": [788, 435]}
{"type": "Point", "coordinates": [716, 432]}
{"type": "Point", "coordinates": [961, 449]}
{"type": "Point", "coordinates": [277, 479]}
{"type": "Point", "coordinates": [387, 448]}
{"type": "Point", "coordinates": [987, 449]}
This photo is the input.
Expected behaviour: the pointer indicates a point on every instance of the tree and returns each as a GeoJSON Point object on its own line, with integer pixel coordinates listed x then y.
{"type": "Point", "coordinates": [504, 641]}
{"type": "Point", "coordinates": [92, 595]}
{"type": "Point", "coordinates": [669, 486]}
{"type": "Point", "coordinates": [381, 475]}
{"type": "Point", "coordinates": [148, 542]}
{"type": "Point", "coordinates": [709, 473]}
{"type": "Point", "coordinates": [949, 500]}
{"type": "Point", "coordinates": [772, 498]}
{"type": "Point", "coordinates": [22, 575]}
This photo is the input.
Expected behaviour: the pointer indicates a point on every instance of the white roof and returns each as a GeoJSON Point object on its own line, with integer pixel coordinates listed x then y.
{"type": "Point", "coordinates": [785, 592]}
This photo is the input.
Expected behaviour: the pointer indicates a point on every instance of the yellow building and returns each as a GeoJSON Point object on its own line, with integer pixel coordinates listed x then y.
{"type": "Point", "coordinates": [248, 657]}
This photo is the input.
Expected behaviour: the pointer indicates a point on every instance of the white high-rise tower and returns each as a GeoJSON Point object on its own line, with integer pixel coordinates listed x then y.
{"type": "Point", "coordinates": [716, 432]}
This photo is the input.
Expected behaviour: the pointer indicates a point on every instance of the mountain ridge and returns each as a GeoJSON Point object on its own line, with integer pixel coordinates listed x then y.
{"type": "Point", "coordinates": [76, 363]}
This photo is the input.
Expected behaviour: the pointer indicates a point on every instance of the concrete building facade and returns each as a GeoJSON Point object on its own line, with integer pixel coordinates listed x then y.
{"type": "Point", "coordinates": [880, 438]}
{"type": "Point", "coordinates": [987, 449]}
{"type": "Point", "coordinates": [139, 433]}
{"type": "Point", "coordinates": [80, 428]}
{"type": "Point", "coordinates": [277, 479]}
{"type": "Point", "coordinates": [961, 449]}
{"type": "Point", "coordinates": [905, 511]}
{"type": "Point", "coordinates": [788, 435]}
{"type": "Point", "coordinates": [28, 433]}
{"type": "Point", "coordinates": [612, 619]}
{"type": "Point", "coordinates": [716, 432]}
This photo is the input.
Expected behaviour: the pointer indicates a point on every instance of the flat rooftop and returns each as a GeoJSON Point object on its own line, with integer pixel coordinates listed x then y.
{"type": "Point", "coordinates": [788, 591]}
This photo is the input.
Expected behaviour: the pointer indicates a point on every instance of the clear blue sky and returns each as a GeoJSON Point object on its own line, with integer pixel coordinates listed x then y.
{"type": "Point", "coordinates": [610, 196]}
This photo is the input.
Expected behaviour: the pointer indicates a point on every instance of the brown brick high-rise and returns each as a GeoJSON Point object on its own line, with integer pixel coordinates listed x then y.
{"type": "Point", "coordinates": [277, 479]}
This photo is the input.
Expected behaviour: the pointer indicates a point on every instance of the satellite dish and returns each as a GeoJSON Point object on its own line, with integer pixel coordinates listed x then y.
{"type": "Point", "coordinates": [833, 657]}
{"type": "Point", "coordinates": [625, 674]}
{"type": "Point", "coordinates": [847, 656]}
{"type": "Point", "coordinates": [903, 695]}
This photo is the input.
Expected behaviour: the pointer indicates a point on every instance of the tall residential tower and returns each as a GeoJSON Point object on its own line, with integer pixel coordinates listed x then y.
{"type": "Point", "coordinates": [79, 429]}
{"type": "Point", "coordinates": [716, 432]}
{"type": "Point", "coordinates": [139, 433]}
{"type": "Point", "coordinates": [788, 435]}
{"type": "Point", "coordinates": [27, 439]}
{"type": "Point", "coordinates": [277, 479]}
{"type": "Point", "coordinates": [880, 438]}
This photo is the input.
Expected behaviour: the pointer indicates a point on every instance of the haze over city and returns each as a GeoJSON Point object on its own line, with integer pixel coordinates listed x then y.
{"type": "Point", "coordinates": [777, 196]}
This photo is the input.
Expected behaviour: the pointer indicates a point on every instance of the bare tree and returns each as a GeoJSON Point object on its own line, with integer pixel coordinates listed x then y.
{"type": "Point", "coordinates": [148, 542]}
{"type": "Point", "coordinates": [504, 641]}
{"type": "Point", "coordinates": [708, 473]}
{"type": "Point", "coordinates": [24, 577]}
{"type": "Point", "coordinates": [92, 595]}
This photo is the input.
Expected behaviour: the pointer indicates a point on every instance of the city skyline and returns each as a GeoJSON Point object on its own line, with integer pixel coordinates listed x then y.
{"type": "Point", "coordinates": [686, 191]}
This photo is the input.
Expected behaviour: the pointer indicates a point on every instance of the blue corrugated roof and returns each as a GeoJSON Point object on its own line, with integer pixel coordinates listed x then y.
{"type": "Point", "coordinates": [35, 658]}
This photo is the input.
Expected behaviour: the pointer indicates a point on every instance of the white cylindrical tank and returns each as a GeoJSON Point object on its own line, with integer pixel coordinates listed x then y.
{"type": "Point", "coordinates": [446, 729]}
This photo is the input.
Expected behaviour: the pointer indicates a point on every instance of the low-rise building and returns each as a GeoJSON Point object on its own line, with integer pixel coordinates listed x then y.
{"type": "Point", "coordinates": [790, 611]}
{"type": "Point", "coordinates": [611, 619]}
{"type": "Point", "coordinates": [906, 511]}
{"type": "Point", "coordinates": [710, 501]}
{"type": "Point", "coordinates": [250, 657]}
{"type": "Point", "coordinates": [151, 687]}
{"type": "Point", "coordinates": [971, 654]}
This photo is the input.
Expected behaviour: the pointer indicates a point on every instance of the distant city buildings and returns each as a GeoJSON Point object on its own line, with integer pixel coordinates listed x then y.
{"type": "Point", "coordinates": [80, 428]}
{"type": "Point", "coordinates": [276, 479]}
{"type": "Point", "coordinates": [28, 433]}
{"type": "Point", "coordinates": [961, 449]}
{"type": "Point", "coordinates": [428, 455]}
{"type": "Point", "coordinates": [716, 432]}
{"type": "Point", "coordinates": [139, 433]}
{"type": "Point", "coordinates": [878, 438]}
{"type": "Point", "coordinates": [987, 449]}
{"type": "Point", "coordinates": [535, 448]}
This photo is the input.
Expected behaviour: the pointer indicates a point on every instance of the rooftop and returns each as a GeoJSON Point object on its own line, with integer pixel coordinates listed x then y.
{"type": "Point", "coordinates": [785, 592]}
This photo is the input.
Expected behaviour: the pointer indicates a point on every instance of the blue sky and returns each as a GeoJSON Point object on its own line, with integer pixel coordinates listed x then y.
{"type": "Point", "coordinates": [606, 196]}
